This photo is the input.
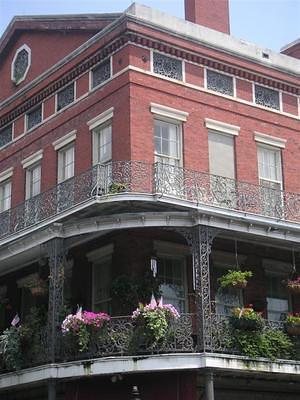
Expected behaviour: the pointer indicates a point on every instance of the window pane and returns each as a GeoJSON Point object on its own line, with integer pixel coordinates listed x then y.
{"type": "Point", "coordinates": [65, 97]}
{"type": "Point", "coordinates": [5, 135]}
{"type": "Point", "coordinates": [101, 73]}
{"type": "Point", "coordinates": [269, 164]}
{"type": "Point", "coordinates": [34, 181]}
{"type": "Point", "coordinates": [5, 196]}
{"type": "Point", "coordinates": [166, 139]}
{"type": "Point", "coordinates": [34, 117]}
{"type": "Point", "coordinates": [267, 97]}
{"type": "Point", "coordinates": [167, 66]}
{"type": "Point", "coordinates": [219, 82]}
{"type": "Point", "coordinates": [221, 155]}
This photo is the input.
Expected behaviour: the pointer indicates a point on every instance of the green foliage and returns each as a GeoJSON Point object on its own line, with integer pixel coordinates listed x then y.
{"type": "Point", "coordinates": [10, 348]}
{"type": "Point", "coordinates": [117, 188]}
{"type": "Point", "coordinates": [293, 319]}
{"type": "Point", "coordinates": [234, 278]}
{"type": "Point", "coordinates": [271, 343]}
{"type": "Point", "coordinates": [156, 326]}
{"type": "Point", "coordinates": [246, 319]}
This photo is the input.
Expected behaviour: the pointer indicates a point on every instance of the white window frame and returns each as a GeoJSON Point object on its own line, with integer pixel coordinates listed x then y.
{"type": "Point", "coordinates": [29, 163]}
{"type": "Point", "coordinates": [61, 162]}
{"type": "Point", "coordinates": [178, 162]}
{"type": "Point", "coordinates": [276, 149]}
{"type": "Point", "coordinates": [29, 180]}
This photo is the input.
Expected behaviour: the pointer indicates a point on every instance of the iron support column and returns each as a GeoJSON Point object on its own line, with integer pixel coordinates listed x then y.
{"type": "Point", "coordinates": [209, 386]}
{"type": "Point", "coordinates": [56, 259]}
{"type": "Point", "coordinates": [52, 390]}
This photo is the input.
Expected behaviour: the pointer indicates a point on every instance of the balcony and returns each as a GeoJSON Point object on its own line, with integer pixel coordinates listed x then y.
{"type": "Point", "coordinates": [165, 181]}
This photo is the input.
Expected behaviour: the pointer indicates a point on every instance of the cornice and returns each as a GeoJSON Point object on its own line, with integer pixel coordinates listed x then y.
{"type": "Point", "coordinates": [148, 42]}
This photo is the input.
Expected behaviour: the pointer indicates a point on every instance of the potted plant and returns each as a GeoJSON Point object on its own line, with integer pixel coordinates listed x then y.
{"type": "Point", "coordinates": [293, 324]}
{"type": "Point", "coordinates": [246, 318]}
{"type": "Point", "coordinates": [83, 325]}
{"type": "Point", "coordinates": [235, 279]}
{"type": "Point", "coordinates": [293, 286]}
{"type": "Point", "coordinates": [117, 187]}
{"type": "Point", "coordinates": [153, 321]}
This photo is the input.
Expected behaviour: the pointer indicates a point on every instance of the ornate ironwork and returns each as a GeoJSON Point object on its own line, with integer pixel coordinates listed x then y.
{"type": "Point", "coordinates": [101, 73]}
{"type": "Point", "coordinates": [162, 179]}
{"type": "Point", "coordinates": [5, 135]}
{"type": "Point", "coordinates": [56, 260]}
{"type": "Point", "coordinates": [34, 117]}
{"type": "Point", "coordinates": [219, 82]}
{"type": "Point", "coordinates": [267, 97]}
{"type": "Point", "coordinates": [167, 66]}
{"type": "Point", "coordinates": [65, 97]}
{"type": "Point", "coordinates": [20, 65]}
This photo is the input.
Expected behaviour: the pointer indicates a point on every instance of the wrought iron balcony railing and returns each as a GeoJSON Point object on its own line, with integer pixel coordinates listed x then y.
{"type": "Point", "coordinates": [163, 179]}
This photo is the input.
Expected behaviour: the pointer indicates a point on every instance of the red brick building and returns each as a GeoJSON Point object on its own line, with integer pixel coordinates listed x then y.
{"type": "Point", "coordinates": [141, 153]}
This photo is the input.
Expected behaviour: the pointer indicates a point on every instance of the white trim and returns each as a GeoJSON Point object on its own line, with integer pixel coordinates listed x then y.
{"type": "Point", "coordinates": [8, 173]}
{"type": "Point", "coordinates": [269, 140]}
{"type": "Point", "coordinates": [24, 47]}
{"type": "Point", "coordinates": [221, 127]}
{"type": "Point", "coordinates": [168, 112]}
{"type": "Point", "coordinates": [65, 140]}
{"type": "Point", "coordinates": [100, 119]}
{"type": "Point", "coordinates": [96, 255]}
{"type": "Point", "coordinates": [34, 158]}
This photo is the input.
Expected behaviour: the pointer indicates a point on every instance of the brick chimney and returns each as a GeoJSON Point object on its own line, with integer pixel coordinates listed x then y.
{"type": "Point", "coordinates": [292, 49]}
{"type": "Point", "coordinates": [213, 14]}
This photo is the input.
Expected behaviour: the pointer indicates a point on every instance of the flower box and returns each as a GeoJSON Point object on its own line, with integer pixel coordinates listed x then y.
{"type": "Point", "coordinates": [246, 319]}
{"type": "Point", "coordinates": [293, 286]}
{"type": "Point", "coordinates": [293, 330]}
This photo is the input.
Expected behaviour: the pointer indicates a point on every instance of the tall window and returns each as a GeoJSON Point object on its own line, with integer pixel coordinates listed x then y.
{"type": "Point", "coordinates": [102, 143]}
{"type": "Point", "coordinates": [221, 154]}
{"type": "Point", "coordinates": [34, 117]}
{"type": "Point", "coordinates": [167, 142]}
{"type": "Point", "coordinates": [66, 161]}
{"type": "Point", "coordinates": [33, 181]}
{"type": "Point", "coordinates": [269, 167]}
{"type": "Point", "coordinates": [5, 196]}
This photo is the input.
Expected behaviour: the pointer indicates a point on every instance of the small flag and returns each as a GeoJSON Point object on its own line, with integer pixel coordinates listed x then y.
{"type": "Point", "coordinates": [16, 320]}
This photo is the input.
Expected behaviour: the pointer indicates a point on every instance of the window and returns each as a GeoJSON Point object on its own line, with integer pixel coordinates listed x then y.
{"type": "Point", "coordinates": [20, 64]}
{"type": "Point", "coordinates": [167, 142]}
{"type": "Point", "coordinates": [167, 66]}
{"type": "Point", "coordinates": [171, 272]}
{"type": "Point", "coordinates": [5, 196]}
{"type": "Point", "coordinates": [65, 97]}
{"type": "Point", "coordinates": [101, 73]}
{"type": "Point", "coordinates": [66, 163]}
{"type": "Point", "coordinates": [5, 135]}
{"type": "Point", "coordinates": [102, 143]}
{"type": "Point", "coordinates": [219, 82]}
{"type": "Point", "coordinates": [269, 167]}
{"type": "Point", "coordinates": [33, 181]}
{"type": "Point", "coordinates": [221, 155]}
{"type": "Point", "coordinates": [34, 117]}
{"type": "Point", "coordinates": [267, 97]}
{"type": "Point", "coordinates": [277, 295]}
{"type": "Point", "coordinates": [102, 264]}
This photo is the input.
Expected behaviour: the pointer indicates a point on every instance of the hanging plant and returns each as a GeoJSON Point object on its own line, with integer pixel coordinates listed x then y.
{"type": "Point", "coordinates": [292, 324]}
{"type": "Point", "coordinates": [235, 279]}
{"type": "Point", "coordinates": [38, 287]}
{"type": "Point", "coordinates": [293, 286]}
{"type": "Point", "coordinates": [246, 319]}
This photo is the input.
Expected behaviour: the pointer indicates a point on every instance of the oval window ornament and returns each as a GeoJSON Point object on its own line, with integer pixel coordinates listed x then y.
{"type": "Point", "coordinates": [20, 64]}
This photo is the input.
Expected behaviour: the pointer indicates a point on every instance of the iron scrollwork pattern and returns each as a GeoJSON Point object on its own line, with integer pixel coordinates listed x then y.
{"type": "Point", "coordinates": [34, 117]}
{"type": "Point", "coordinates": [267, 97]}
{"type": "Point", "coordinates": [65, 97]}
{"type": "Point", "coordinates": [20, 65]}
{"type": "Point", "coordinates": [101, 73]}
{"type": "Point", "coordinates": [200, 238]}
{"type": "Point", "coordinates": [219, 82]}
{"type": "Point", "coordinates": [56, 259]}
{"type": "Point", "coordinates": [167, 66]}
{"type": "Point", "coordinates": [5, 135]}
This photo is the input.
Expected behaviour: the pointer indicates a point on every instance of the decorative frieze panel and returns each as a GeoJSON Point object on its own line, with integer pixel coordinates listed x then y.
{"type": "Point", "coordinates": [101, 73]}
{"type": "Point", "coordinates": [167, 66]}
{"type": "Point", "coordinates": [34, 117]}
{"type": "Point", "coordinates": [5, 135]}
{"type": "Point", "coordinates": [65, 97]}
{"type": "Point", "coordinates": [267, 97]}
{"type": "Point", "coordinates": [219, 82]}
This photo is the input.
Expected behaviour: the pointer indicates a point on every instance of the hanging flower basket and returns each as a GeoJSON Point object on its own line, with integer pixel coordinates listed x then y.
{"type": "Point", "coordinates": [246, 319]}
{"type": "Point", "coordinates": [293, 286]}
{"type": "Point", "coordinates": [235, 279]}
{"type": "Point", "coordinates": [293, 324]}
{"type": "Point", "coordinates": [38, 288]}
